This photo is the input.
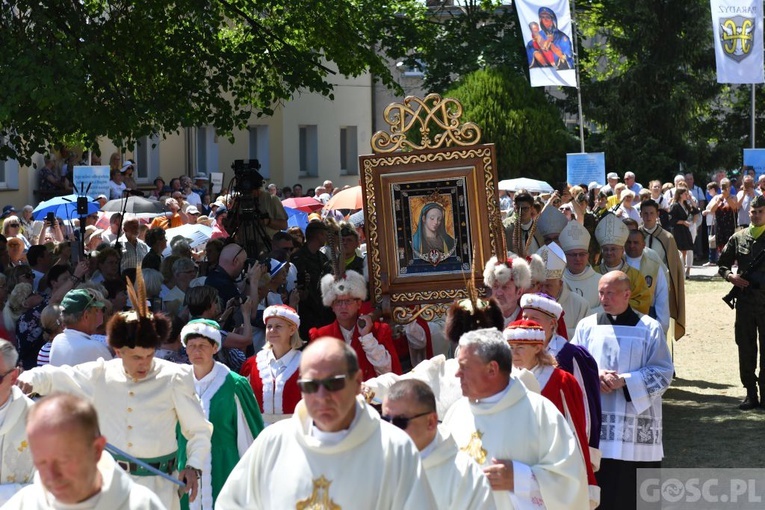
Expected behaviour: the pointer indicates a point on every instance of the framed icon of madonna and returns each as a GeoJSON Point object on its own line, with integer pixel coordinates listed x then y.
{"type": "Point", "coordinates": [432, 223]}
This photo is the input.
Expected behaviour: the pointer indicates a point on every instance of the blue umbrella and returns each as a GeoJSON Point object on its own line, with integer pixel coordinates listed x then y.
{"type": "Point", "coordinates": [296, 218]}
{"type": "Point", "coordinates": [63, 207]}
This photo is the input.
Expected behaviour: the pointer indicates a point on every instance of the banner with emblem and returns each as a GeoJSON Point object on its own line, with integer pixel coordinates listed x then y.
{"type": "Point", "coordinates": [546, 27]}
{"type": "Point", "coordinates": [737, 27]}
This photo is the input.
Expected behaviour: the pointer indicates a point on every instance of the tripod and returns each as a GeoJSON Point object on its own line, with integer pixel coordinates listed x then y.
{"type": "Point", "coordinates": [245, 216]}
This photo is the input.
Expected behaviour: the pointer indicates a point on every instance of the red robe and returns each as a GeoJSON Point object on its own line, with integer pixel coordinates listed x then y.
{"type": "Point", "coordinates": [382, 334]}
{"type": "Point", "coordinates": [563, 390]}
{"type": "Point", "coordinates": [289, 396]}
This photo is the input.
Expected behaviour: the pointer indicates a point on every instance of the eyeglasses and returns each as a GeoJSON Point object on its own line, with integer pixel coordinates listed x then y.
{"type": "Point", "coordinates": [2, 376]}
{"type": "Point", "coordinates": [331, 384]}
{"type": "Point", "coordinates": [27, 275]}
{"type": "Point", "coordinates": [344, 302]}
{"type": "Point", "coordinates": [401, 421]}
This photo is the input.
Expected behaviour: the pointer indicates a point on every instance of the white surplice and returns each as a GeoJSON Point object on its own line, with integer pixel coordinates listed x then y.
{"type": "Point", "coordinates": [631, 429]}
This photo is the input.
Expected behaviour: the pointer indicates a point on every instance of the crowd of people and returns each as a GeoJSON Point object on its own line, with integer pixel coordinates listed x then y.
{"type": "Point", "coordinates": [256, 373]}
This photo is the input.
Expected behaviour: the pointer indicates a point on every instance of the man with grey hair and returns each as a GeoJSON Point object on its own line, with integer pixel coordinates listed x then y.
{"type": "Point", "coordinates": [184, 270]}
{"type": "Point", "coordinates": [457, 482]}
{"type": "Point", "coordinates": [632, 185]}
{"type": "Point", "coordinates": [539, 460]}
{"type": "Point", "coordinates": [83, 314]}
{"type": "Point", "coordinates": [16, 468]}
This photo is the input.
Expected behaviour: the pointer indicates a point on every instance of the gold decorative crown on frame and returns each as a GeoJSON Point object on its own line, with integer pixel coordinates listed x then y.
{"type": "Point", "coordinates": [416, 116]}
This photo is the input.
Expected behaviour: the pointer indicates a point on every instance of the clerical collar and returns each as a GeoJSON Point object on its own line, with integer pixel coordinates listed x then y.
{"type": "Point", "coordinates": [333, 438]}
{"type": "Point", "coordinates": [493, 399]}
{"type": "Point", "coordinates": [626, 318]}
{"type": "Point", "coordinates": [430, 448]}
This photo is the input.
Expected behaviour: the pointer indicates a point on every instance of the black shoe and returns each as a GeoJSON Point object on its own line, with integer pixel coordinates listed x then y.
{"type": "Point", "coordinates": [750, 402]}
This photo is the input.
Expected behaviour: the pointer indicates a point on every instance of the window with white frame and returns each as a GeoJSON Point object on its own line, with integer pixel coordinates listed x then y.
{"type": "Point", "coordinates": [308, 146]}
{"type": "Point", "coordinates": [259, 149]}
{"type": "Point", "coordinates": [349, 152]}
{"type": "Point", "coordinates": [207, 150]}
{"type": "Point", "coordinates": [146, 155]}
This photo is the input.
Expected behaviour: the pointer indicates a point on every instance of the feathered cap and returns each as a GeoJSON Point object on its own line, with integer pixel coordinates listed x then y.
{"type": "Point", "coordinates": [500, 273]}
{"type": "Point", "coordinates": [205, 328]}
{"type": "Point", "coordinates": [524, 332]}
{"type": "Point", "coordinates": [538, 269]}
{"type": "Point", "coordinates": [137, 327]}
{"type": "Point", "coordinates": [352, 283]}
{"type": "Point", "coordinates": [468, 315]}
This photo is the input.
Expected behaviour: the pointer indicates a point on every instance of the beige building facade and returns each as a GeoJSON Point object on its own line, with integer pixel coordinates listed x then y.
{"type": "Point", "coordinates": [307, 140]}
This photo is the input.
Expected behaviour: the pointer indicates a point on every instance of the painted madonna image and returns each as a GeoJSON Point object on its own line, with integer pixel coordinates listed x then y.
{"type": "Point", "coordinates": [431, 242]}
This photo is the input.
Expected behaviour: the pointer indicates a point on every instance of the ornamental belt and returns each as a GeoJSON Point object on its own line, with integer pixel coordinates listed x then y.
{"type": "Point", "coordinates": [165, 463]}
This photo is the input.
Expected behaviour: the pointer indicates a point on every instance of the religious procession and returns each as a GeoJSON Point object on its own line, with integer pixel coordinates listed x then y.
{"type": "Point", "coordinates": [439, 330]}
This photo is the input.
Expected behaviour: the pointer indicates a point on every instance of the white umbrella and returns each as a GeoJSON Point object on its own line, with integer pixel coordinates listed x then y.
{"type": "Point", "coordinates": [196, 234]}
{"type": "Point", "coordinates": [530, 185]}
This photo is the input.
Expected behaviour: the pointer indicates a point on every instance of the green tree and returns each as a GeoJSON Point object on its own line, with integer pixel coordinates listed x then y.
{"type": "Point", "coordinates": [467, 36]}
{"type": "Point", "coordinates": [527, 129]}
{"type": "Point", "coordinates": [130, 68]}
{"type": "Point", "coordinates": [648, 82]}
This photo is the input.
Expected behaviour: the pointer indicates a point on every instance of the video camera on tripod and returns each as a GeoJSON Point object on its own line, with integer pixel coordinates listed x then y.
{"type": "Point", "coordinates": [245, 217]}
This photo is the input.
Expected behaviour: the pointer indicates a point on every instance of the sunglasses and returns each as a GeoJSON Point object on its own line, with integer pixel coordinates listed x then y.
{"type": "Point", "coordinates": [402, 422]}
{"type": "Point", "coordinates": [331, 384]}
{"type": "Point", "coordinates": [14, 225]}
{"type": "Point", "coordinates": [3, 376]}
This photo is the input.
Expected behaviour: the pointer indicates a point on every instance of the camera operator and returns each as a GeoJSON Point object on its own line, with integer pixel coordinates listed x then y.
{"type": "Point", "coordinates": [272, 215]}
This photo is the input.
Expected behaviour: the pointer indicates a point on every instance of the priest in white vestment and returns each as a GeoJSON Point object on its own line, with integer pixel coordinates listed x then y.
{"type": "Point", "coordinates": [523, 443]}
{"type": "Point", "coordinates": [16, 468]}
{"type": "Point", "coordinates": [580, 277]}
{"type": "Point", "coordinates": [457, 481]}
{"type": "Point", "coordinates": [635, 371]}
{"type": "Point", "coordinates": [74, 471]}
{"type": "Point", "coordinates": [334, 452]}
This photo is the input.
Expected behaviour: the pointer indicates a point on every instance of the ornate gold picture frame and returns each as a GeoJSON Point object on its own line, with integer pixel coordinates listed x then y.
{"type": "Point", "coordinates": [432, 216]}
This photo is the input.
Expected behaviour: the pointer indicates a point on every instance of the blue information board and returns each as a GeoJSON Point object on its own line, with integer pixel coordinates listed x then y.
{"type": "Point", "coordinates": [583, 168]}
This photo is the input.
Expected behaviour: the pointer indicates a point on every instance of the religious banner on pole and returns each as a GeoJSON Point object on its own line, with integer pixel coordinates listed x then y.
{"type": "Point", "coordinates": [546, 27]}
{"type": "Point", "coordinates": [737, 27]}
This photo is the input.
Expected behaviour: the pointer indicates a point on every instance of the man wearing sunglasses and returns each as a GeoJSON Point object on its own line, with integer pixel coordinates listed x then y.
{"type": "Point", "coordinates": [335, 452]}
{"type": "Point", "coordinates": [518, 437]}
{"type": "Point", "coordinates": [457, 481]}
{"type": "Point", "coordinates": [16, 467]}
